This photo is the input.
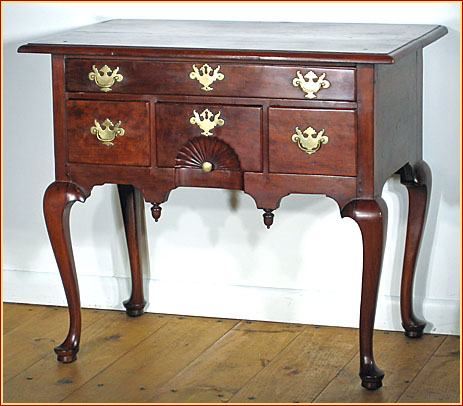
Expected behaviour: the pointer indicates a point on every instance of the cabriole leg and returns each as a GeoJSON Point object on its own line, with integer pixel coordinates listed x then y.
{"type": "Point", "coordinates": [418, 183]}
{"type": "Point", "coordinates": [58, 200]}
{"type": "Point", "coordinates": [133, 213]}
{"type": "Point", "coordinates": [371, 216]}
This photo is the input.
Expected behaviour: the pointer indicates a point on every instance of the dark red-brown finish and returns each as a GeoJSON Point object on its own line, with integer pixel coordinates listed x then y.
{"type": "Point", "coordinates": [371, 216]}
{"type": "Point", "coordinates": [337, 157]}
{"type": "Point", "coordinates": [133, 148]}
{"type": "Point", "coordinates": [268, 218]}
{"type": "Point", "coordinates": [217, 179]}
{"type": "Point", "coordinates": [133, 214]}
{"type": "Point", "coordinates": [241, 130]}
{"type": "Point", "coordinates": [211, 150]}
{"type": "Point", "coordinates": [239, 80]}
{"type": "Point", "coordinates": [418, 182]}
{"type": "Point", "coordinates": [57, 203]}
{"type": "Point", "coordinates": [156, 211]}
{"type": "Point", "coordinates": [371, 114]}
{"type": "Point", "coordinates": [244, 41]}
{"type": "Point", "coordinates": [268, 189]}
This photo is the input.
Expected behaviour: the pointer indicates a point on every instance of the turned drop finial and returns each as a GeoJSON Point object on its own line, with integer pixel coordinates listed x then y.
{"type": "Point", "coordinates": [156, 211]}
{"type": "Point", "coordinates": [268, 217]}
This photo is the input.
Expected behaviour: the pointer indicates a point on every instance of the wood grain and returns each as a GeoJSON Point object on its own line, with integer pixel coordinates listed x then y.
{"type": "Point", "coordinates": [164, 78]}
{"type": "Point", "coordinates": [268, 190]}
{"type": "Point", "coordinates": [241, 131]}
{"type": "Point", "coordinates": [245, 350]}
{"type": "Point", "coordinates": [401, 357]}
{"type": "Point", "coordinates": [35, 339]}
{"type": "Point", "coordinates": [14, 315]}
{"type": "Point", "coordinates": [133, 215]}
{"type": "Point", "coordinates": [137, 375]}
{"type": "Point", "coordinates": [371, 217]}
{"type": "Point", "coordinates": [105, 341]}
{"type": "Point", "coordinates": [303, 369]}
{"type": "Point", "coordinates": [121, 368]}
{"type": "Point", "coordinates": [374, 43]}
{"type": "Point", "coordinates": [337, 157]}
{"type": "Point", "coordinates": [418, 181]}
{"type": "Point", "coordinates": [130, 149]}
{"type": "Point", "coordinates": [359, 112]}
{"type": "Point", "coordinates": [438, 381]}
{"type": "Point", "coordinates": [398, 117]}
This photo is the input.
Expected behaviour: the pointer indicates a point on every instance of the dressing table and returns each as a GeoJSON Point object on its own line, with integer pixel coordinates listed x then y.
{"type": "Point", "coordinates": [267, 108]}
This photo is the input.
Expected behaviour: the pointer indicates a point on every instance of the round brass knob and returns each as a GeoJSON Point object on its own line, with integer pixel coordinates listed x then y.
{"type": "Point", "coordinates": [207, 166]}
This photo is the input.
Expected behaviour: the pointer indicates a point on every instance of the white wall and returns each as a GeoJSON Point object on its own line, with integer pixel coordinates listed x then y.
{"type": "Point", "coordinates": [208, 258]}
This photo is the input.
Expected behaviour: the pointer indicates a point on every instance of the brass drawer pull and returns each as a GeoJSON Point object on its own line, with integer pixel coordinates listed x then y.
{"type": "Point", "coordinates": [206, 121]}
{"type": "Point", "coordinates": [311, 86]}
{"type": "Point", "coordinates": [309, 144]}
{"type": "Point", "coordinates": [207, 166]}
{"type": "Point", "coordinates": [107, 135]}
{"type": "Point", "coordinates": [206, 75]}
{"type": "Point", "coordinates": [105, 81]}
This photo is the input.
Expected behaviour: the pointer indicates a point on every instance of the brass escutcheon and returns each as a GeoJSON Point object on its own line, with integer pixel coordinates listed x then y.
{"type": "Point", "coordinates": [206, 121]}
{"type": "Point", "coordinates": [107, 135]}
{"type": "Point", "coordinates": [309, 144]}
{"type": "Point", "coordinates": [105, 81]}
{"type": "Point", "coordinates": [206, 75]}
{"type": "Point", "coordinates": [311, 86]}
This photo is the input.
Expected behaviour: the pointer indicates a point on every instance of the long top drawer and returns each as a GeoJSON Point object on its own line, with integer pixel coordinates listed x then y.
{"type": "Point", "coordinates": [210, 79]}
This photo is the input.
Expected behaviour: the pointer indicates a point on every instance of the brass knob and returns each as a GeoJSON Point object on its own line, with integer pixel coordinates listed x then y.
{"type": "Point", "coordinates": [207, 166]}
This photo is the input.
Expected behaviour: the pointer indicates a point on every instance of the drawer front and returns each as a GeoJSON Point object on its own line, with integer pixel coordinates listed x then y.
{"type": "Point", "coordinates": [93, 139]}
{"type": "Point", "coordinates": [312, 141]}
{"type": "Point", "coordinates": [230, 80]}
{"type": "Point", "coordinates": [238, 127]}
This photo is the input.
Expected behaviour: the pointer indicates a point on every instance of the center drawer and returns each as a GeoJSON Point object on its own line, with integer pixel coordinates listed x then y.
{"type": "Point", "coordinates": [238, 127]}
{"type": "Point", "coordinates": [210, 79]}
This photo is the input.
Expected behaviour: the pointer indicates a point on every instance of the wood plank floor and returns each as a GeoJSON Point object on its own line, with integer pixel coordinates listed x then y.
{"type": "Point", "coordinates": [177, 359]}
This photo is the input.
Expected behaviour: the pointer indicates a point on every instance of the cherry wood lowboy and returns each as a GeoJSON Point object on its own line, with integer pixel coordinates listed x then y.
{"type": "Point", "coordinates": [267, 108]}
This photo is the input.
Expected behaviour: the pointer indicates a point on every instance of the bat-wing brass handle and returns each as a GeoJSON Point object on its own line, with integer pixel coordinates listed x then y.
{"type": "Point", "coordinates": [309, 143]}
{"type": "Point", "coordinates": [206, 76]}
{"type": "Point", "coordinates": [103, 79]}
{"type": "Point", "coordinates": [310, 83]}
{"type": "Point", "coordinates": [106, 132]}
{"type": "Point", "coordinates": [206, 121]}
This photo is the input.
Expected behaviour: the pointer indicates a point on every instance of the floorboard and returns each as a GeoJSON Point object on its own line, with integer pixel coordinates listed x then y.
{"type": "Point", "coordinates": [437, 382]}
{"type": "Point", "coordinates": [221, 371]}
{"type": "Point", "coordinates": [304, 368]}
{"type": "Point", "coordinates": [31, 341]}
{"type": "Point", "coordinates": [102, 344]}
{"type": "Point", "coordinates": [15, 314]}
{"type": "Point", "coordinates": [137, 375]}
{"type": "Point", "coordinates": [400, 357]}
{"type": "Point", "coordinates": [177, 359]}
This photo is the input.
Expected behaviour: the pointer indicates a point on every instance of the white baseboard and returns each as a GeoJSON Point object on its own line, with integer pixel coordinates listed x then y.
{"type": "Point", "coordinates": [229, 301]}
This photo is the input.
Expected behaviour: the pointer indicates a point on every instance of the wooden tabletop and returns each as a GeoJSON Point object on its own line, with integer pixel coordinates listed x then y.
{"type": "Point", "coordinates": [375, 43]}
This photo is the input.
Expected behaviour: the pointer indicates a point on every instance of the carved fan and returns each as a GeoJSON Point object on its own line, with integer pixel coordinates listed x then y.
{"type": "Point", "coordinates": [200, 151]}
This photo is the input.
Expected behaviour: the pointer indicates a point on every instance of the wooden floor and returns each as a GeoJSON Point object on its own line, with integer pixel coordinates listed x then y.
{"type": "Point", "coordinates": [172, 359]}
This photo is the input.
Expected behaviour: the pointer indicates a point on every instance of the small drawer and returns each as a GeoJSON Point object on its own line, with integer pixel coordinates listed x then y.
{"type": "Point", "coordinates": [239, 128]}
{"type": "Point", "coordinates": [312, 141]}
{"type": "Point", "coordinates": [115, 133]}
{"type": "Point", "coordinates": [210, 79]}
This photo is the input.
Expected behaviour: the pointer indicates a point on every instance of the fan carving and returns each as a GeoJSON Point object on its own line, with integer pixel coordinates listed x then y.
{"type": "Point", "coordinates": [200, 150]}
